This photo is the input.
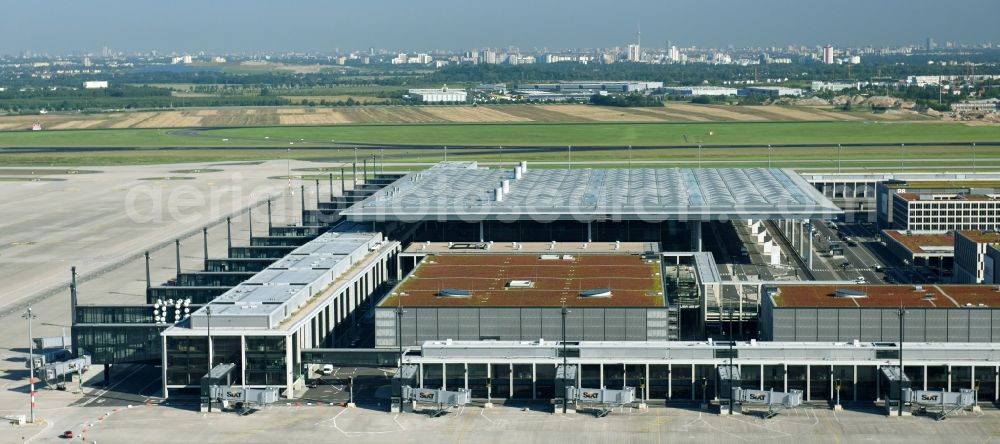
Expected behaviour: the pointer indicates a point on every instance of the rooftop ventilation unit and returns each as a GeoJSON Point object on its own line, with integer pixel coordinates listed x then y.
{"type": "Point", "coordinates": [521, 284]}
{"type": "Point", "coordinates": [850, 294]}
{"type": "Point", "coordinates": [454, 293]}
{"type": "Point", "coordinates": [918, 288]}
{"type": "Point", "coordinates": [596, 293]}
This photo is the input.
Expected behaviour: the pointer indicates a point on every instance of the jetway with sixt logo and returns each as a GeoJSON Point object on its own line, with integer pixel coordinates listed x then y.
{"type": "Point", "coordinates": [774, 401]}
{"type": "Point", "coordinates": [442, 399]}
{"type": "Point", "coordinates": [602, 400]}
{"type": "Point", "coordinates": [249, 395]}
{"type": "Point", "coordinates": [940, 404]}
{"type": "Point", "coordinates": [57, 371]}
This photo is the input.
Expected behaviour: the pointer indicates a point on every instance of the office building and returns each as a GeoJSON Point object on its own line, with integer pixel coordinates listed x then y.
{"type": "Point", "coordinates": [937, 206]}
{"type": "Point", "coordinates": [828, 54]}
{"type": "Point", "coordinates": [971, 261]}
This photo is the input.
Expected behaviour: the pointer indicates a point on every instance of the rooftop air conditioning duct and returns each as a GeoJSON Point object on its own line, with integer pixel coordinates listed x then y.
{"type": "Point", "coordinates": [596, 293]}
{"type": "Point", "coordinates": [454, 293]}
{"type": "Point", "coordinates": [849, 294]}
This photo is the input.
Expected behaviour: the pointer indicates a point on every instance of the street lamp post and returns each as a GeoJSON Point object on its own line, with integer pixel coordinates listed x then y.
{"type": "Point", "coordinates": [564, 312]}
{"type": "Point", "coordinates": [732, 343]}
{"type": "Point", "coordinates": [569, 157]}
{"type": "Point", "coordinates": [902, 337]}
{"type": "Point", "coordinates": [836, 385]}
{"type": "Point", "coordinates": [769, 156]}
{"type": "Point", "coordinates": [31, 363]}
{"type": "Point", "coordinates": [399, 336]}
{"type": "Point", "coordinates": [704, 392]}
{"type": "Point", "coordinates": [208, 351]}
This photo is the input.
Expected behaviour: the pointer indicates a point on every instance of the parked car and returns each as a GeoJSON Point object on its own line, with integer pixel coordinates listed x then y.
{"type": "Point", "coordinates": [327, 370]}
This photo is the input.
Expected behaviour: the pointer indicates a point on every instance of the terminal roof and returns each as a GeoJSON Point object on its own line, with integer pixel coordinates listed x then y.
{"type": "Point", "coordinates": [275, 293]}
{"type": "Point", "coordinates": [464, 192]}
{"type": "Point", "coordinates": [887, 296]}
{"type": "Point", "coordinates": [550, 280]}
{"type": "Point", "coordinates": [920, 242]}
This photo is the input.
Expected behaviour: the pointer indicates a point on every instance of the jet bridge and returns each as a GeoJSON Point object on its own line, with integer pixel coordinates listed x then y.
{"type": "Point", "coordinates": [443, 400]}
{"type": "Point", "coordinates": [52, 372]}
{"type": "Point", "coordinates": [243, 398]}
{"type": "Point", "coordinates": [740, 399]}
{"type": "Point", "coordinates": [603, 401]}
{"type": "Point", "coordinates": [774, 401]}
{"type": "Point", "coordinates": [941, 404]}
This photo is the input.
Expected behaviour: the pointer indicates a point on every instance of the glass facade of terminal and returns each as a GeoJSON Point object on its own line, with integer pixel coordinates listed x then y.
{"type": "Point", "coordinates": [690, 382]}
{"type": "Point", "coordinates": [187, 360]}
{"type": "Point", "coordinates": [265, 360]}
{"type": "Point", "coordinates": [118, 344]}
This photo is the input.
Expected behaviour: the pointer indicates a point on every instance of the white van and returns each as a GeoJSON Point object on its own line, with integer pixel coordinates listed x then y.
{"type": "Point", "coordinates": [327, 370]}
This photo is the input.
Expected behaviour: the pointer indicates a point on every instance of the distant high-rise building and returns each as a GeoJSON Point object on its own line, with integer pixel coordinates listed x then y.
{"type": "Point", "coordinates": [931, 44]}
{"type": "Point", "coordinates": [87, 62]}
{"type": "Point", "coordinates": [634, 54]}
{"type": "Point", "coordinates": [635, 50]}
{"type": "Point", "coordinates": [828, 54]}
{"type": "Point", "coordinates": [674, 54]}
{"type": "Point", "coordinates": [105, 52]}
{"type": "Point", "coordinates": [489, 56]}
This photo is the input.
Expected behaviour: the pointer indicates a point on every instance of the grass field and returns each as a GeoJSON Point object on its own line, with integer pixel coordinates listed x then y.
{"type": "Point", "coordinates": [522, 134]}
{"type": "Point", "coordinates": [865, 158]}
{"type": "Point", "coordinates": [606, 134]}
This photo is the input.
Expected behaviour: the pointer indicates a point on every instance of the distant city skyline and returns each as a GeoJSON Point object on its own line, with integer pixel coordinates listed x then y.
{"type": "Point", "coordinates": [60, 27]}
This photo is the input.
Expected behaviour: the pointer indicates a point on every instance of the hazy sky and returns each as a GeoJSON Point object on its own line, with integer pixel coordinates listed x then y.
{"type": "Point", "coordinates": [62, 26]}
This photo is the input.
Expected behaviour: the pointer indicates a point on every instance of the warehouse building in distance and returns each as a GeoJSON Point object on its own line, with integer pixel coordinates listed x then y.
{"type": "Point", "coordinates": [442, 95]}
{"type": "Point", "coordinates": [516, 292]}
{"type": "Point", "coordinates": [701, 91]}
{"type": "Point", "coordinates": [870, 313]}
{"type": "Point", "coordinates": [592, 87]}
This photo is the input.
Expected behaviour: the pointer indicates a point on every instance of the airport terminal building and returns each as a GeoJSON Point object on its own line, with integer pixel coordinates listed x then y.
{"type": "Point", "coordinates": [498, 276]}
